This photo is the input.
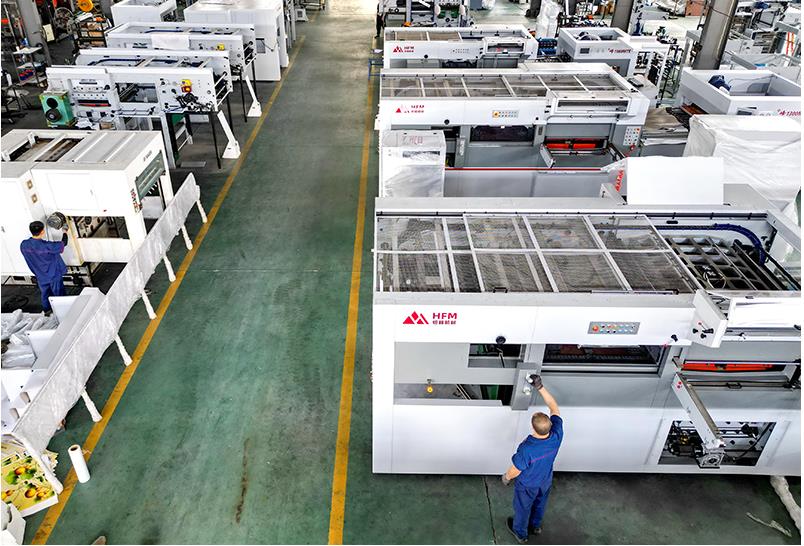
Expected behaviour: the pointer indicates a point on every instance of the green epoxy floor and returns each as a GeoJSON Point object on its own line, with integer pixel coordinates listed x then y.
{"type": "Point", "coordinates": [226, 433]}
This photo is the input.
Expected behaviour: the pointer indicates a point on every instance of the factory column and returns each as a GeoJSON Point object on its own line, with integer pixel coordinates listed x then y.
{"type": "Point", "coordinates": [622, 14]}
{"type": "Point", "coordinates": [32, 23]}
{"type": "Point", "coordinates": [715, 34]}
{"type": "Point", "coordinates": [535, 7]}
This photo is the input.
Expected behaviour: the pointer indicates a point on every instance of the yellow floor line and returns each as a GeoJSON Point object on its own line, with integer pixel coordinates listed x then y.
{"type": "Point", "coordinates": [339, 473]}
{"type": "Point", "coordinates": [52, 516]}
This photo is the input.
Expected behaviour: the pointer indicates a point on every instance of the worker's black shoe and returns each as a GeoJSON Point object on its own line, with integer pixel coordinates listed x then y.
{"type": "Point", "coordinates": [534, 530]}
{"type": "Point", "coordinates": [510, 523]}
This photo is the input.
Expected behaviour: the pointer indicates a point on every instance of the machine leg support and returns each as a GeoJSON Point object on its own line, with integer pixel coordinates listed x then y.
{"type": "Point", "coordinates": [255, 110]}
{"type": "Point", "coordinates": [93, 411]}
{"type": "Point", "coordinates": [187, 242]}
{"type": "Point", "coordinates": [232, 150]}
{"type": "Point", "coordinates": [148, 307]}
{"type": "Point", "coordinates": [171, 275]}
{"type": "Point", "coordinates": [123, 353]}
{"type": "Point", "coordinates": [201, 211]}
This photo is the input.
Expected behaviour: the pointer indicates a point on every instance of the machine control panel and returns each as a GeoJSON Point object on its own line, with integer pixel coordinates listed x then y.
{"type": "Point", "coordinates": [621, 328]}
{"type": "Point", "coordinates": [631, 136]}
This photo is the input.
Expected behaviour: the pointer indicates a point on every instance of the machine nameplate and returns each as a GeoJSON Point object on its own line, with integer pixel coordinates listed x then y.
{"type": "Point", "coordinates": [622, 328]}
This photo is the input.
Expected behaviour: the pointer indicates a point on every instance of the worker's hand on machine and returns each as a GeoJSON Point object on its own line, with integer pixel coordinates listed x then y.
{"type": "Point", "coordinates": [536, 381]}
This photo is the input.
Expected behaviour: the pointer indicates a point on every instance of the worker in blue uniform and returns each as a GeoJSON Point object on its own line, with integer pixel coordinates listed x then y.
{"type": "Point", "coordinates": [533, 468]}
{"type": "Point", "coordinates": [44, 261]}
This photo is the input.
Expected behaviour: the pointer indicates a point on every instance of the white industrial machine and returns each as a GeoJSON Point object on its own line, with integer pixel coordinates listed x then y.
{"type": "Point", "coordinates": [741, 92]}
{"type": "Point", "coordinates": [479, 46]}
{"type": "Point", "coordinates": [131, 93]}
{"type": "Point", "coordinates": [541, 115]}
{"type": "Point", "coordinates": [598, 45]}
{"type": "Point", "coordinates": [669, 334]}
{"type": "Point", "coordinates": [239, 40]}
{"type": "Point", "coordinates": [436, 13]}
{"type": "Point", "coordinates": [642, 58]}
{"type": "Point", "coordinates": [268, 19]}
{"type": "Point", "coordinates": [143, 11]}
{"type": "Point", "coordinates": [101, 185]}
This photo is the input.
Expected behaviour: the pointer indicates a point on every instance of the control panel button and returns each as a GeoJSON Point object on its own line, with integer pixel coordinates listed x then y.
{"type": "Point", "coordinates": [620, 328]}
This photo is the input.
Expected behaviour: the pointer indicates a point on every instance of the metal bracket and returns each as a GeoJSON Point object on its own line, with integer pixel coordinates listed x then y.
{"type": "Point", "coordinates": [710, 434]}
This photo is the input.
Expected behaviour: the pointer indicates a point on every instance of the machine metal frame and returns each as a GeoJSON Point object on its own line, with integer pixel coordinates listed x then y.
{"type": "Point", "coordinates": [563, 114]}
{"type": "Point", "coordinates": [450, 366]}
{"type": "Point", "coordinates": [122, 96]}
{"type": "Point", "coordinates": [479, 46]}
{"type": "Point", "coordinates": [753, 92]}
{"type": "Point", "coordinates": [240, 40]}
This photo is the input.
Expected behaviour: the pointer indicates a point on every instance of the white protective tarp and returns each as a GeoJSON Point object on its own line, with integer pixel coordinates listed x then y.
{"type": "Point", "coordinates": [412, 163]}
{"type": "Point", "coordinates": [67, 377]}
{"type": "Point", "coordinates": [547, 20]}
{"type": "Point", "coordinates": [763, 151]}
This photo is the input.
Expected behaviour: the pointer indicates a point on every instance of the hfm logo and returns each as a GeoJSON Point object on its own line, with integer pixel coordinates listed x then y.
{"type": "Point", "coordinates": [437, 318]}
{"type": "Point", "coordinates": [410, 109]}
{"type": "Point", "coordinates": [403, 49]}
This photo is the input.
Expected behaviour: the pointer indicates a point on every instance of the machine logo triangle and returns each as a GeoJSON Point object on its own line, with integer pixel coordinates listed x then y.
{"type": "Point", "coordinates": [415, 318]}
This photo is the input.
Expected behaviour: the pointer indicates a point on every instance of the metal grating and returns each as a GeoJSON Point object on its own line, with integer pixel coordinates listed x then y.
{"type": "Point", "coordinates": [652, 271]}
{"type": "Point", "coordinates": [414, 273]}
{"type": "Point", "coordinates": [627, 233]}
{"type": "Point", "coordinates": [525, 253]}
{"type": "Point", "coordinates": [718, 264]}
{"type": "Point", "coordinates": [562, 232]}
{"type": "Point", "coordinates": [499, 232]}
{"type": "Point", "coordinates": [410, 234]}
{"type": "Point", "coordinates": [582, 272]}
{"type": "Point", "coordinates": [523, 85]}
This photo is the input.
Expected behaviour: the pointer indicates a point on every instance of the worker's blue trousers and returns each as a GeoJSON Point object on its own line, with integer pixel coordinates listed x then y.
{"type": "Point", "coordinates": [529, 506]}
{"type": "Point", "coordinates": [52, 288]}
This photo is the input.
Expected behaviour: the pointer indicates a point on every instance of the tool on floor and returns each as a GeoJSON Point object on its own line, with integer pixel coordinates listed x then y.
{"type": "Point", "coordinates": [773, 524]}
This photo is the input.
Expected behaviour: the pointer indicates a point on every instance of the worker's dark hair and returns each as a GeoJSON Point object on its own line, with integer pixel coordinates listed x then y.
{"type": "Point", "coordinates": [541, 423]}
{"type": "Point", "coordinates": [36, 227]}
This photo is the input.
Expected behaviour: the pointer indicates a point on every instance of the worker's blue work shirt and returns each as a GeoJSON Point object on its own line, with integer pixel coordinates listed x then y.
{"type": "Point", "coordinates": [534, 457]}
{"type": "Point", "coordinates": [44, 259]}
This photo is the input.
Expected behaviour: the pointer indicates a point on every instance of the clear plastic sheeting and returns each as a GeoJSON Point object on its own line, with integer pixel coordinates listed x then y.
{"type": "Point", "coordinates": [547, 20]}
{"type": "Point", "coordinates": [68, 376]}
{"type": "Point", "coordinates": [19, 353]}
{"type": "Point", "coordinates": [412, 163]}
{"type": "Point", "coordinates": [763, 151]}
{"type": "Point", "coordinates": [17, 323]}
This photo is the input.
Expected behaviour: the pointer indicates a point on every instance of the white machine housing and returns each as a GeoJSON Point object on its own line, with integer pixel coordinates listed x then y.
{"type": "Point", "coordinates": [641, 57]}
{"type": "Point", "coordinates": [267, 16]}
{"type": "Point", "coordinates": [217, 61]}
{"type": "Point", "coordinates": [82, 174]}
{"type": "Point", "coordinates": [142, 11]}
{"type": "Point", "coordinates": [438, 13]}
{"type": "Point", "coordinates": [557, 105]}
{"type": "Point", "coordinates": [608, 45]}
{"type": "Point", "coordinates": [753, 93]}
{"type": "Point", "coordinates": [238, 39]}
{"type": "Point", "coordinates": [472, 296]}
{"type": "Point", "coordinates": [479, 46]}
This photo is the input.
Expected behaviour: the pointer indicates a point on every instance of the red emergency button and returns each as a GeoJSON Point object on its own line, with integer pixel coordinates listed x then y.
{"type": "Point", "coordinates": [595, 328]}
